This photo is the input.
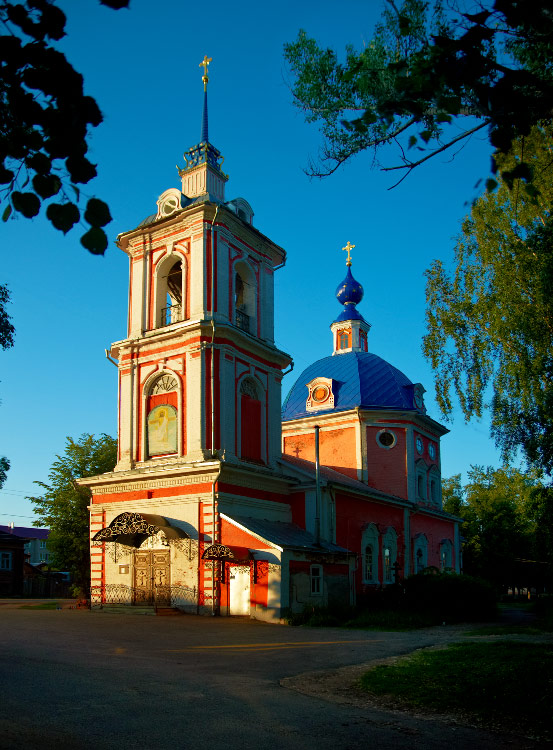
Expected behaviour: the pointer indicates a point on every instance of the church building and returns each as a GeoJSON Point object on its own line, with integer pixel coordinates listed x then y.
{"type": "Point", "coordinates": [223, 501]}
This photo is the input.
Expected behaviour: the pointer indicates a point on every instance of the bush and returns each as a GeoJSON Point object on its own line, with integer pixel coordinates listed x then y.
{"type": "Point", "coordinates": [450, 597]}
{"type": "Point", "coordinates": [424, 599]}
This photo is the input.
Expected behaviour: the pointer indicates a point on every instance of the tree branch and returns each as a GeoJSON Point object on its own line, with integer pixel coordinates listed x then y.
{"type": "Point", "coordinates": [412, 164]}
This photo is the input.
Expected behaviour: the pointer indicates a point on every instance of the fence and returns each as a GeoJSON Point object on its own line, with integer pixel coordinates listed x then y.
{"type": "Point", "coordinates": [179, 597]}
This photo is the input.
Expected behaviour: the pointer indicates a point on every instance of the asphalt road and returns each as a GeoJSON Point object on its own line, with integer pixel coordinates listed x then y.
{"type": "Point", "coordinates": [79, 679]}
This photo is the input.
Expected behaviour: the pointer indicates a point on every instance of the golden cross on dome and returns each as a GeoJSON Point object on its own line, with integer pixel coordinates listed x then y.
{"type": "Point", "coordinates": [204, 63]}
{"type": "Point", "coordinates": [349, 247]}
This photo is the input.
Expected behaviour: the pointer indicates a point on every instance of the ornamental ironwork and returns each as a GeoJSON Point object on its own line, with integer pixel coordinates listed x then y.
{"type": "Point", "coordinates": [126, 524]}
{"type": "Point", "coordinates": [218, 552]}
{"type": "Point", "coordinates": [165, 383]}
{"type": "Point", "coordinates": [178, 596]}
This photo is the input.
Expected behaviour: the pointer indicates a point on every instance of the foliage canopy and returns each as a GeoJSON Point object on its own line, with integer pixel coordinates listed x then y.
{"type": "Point", "coordinates": [63, 504]}
{"type": "Point", "coordinates": [45, 119]}
{"type": "Point", "coordinates": [424, 70]}
{"type": "Point", "coordinates": [507, 525]}
{"type": "Point", "coordinates": [490, 322]}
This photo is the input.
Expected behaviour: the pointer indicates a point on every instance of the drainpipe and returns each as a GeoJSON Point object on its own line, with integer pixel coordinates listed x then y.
{"type": "Point", "coordinates": [317, 490]}
{"type": "Point", "coordinates": [216, 479]}
{"type": "Point", "coordinates": [213, 538]}
{"type": "Point", "coordinates": [213, 332]}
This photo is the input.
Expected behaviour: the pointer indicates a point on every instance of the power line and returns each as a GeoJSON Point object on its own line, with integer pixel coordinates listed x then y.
{"type": "Point", "coordinates": [16, 515]}
{"type": "Point", "coordinates": [15, 492]}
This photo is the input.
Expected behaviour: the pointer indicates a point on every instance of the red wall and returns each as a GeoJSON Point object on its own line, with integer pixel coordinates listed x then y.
{"type": "Point", "coordinates": [337, 449]}
{"type": "Point", "coordinates": [435, 529]}
{"type": "Point", "coordinates": [387, 469]}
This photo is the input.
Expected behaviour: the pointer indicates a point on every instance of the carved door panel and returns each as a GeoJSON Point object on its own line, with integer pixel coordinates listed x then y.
{"type": "Point", "coordinates": [152, 577]}
{"type": "Point", "coordinates": [161, 578]}
{"type": "Point", "coordinates": [143, 578]}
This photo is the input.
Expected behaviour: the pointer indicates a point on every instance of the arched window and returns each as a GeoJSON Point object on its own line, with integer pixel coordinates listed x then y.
{"type": "Point", "coordinates": [369, 551]}
{"type": "Point", "coordinates": [420, 553]}
{"type": "Point", "coordinates": [250, 420]}
{"type": "Point", "coordinates": [245, 297]}
{"type": "Point", "coordinates": [363, 341]}
{"type": "Point", "coordinates": [389, 555]}
{"type": "Point", "coordinates": [170, 301]}
{"type": "Point", "coordinates": [446, 554]}
{"type": "Point", "coordinates": [161, 416]}
{"type": "Point", "coordinates": [344, 339]}
{"type": "Point", "coordinates": [435, 494]}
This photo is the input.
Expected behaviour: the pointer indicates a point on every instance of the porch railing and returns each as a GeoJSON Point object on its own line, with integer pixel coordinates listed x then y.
{"type": "Point", "coordinates": [177, 596]}
{"type": "Point", "coordinates": [170, 314]}
{"type": "Point", "coordinates": [242, 320]}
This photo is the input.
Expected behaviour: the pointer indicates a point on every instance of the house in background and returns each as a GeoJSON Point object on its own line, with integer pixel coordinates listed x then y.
{"type": "Point", "coordinates": [36, 545]}
{"type": "Point", "coordinates": [12, 563]}
{"type": "Point", "coordinates": [222, 501]}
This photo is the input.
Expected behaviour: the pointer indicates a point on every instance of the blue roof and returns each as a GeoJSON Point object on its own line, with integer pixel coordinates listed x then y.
{"type": "Point", "coordinates": [360, 379]}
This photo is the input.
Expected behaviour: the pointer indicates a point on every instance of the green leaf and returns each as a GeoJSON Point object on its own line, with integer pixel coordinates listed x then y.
{"type": "Point", "coordinates": [426, 135]}
{"type": "Point", "coordinates": [46, 185]}
{"type": "Point", "coordinates": [7, 212]}
{"type": "Point", "coordinates": [80, 169]}
{"type": "Point", "coordinates": [40, 163]}
{"type": "Point", "coordinates": [115, 4]}
{"type": "Point", "coordinates": [27, 204]}
{"type": "Point", "coordinates": [6, 175]}
{"type": "Point", "coordinates": [491, 185]}
{"type": "Point", "coordinates": [412, 141]}
{"type": "Point", "coordinates": [63, 215]}
{"type": "Point", "coordinates": [95, 241]}
{"type": "Point", "coordinates": [97, 213]}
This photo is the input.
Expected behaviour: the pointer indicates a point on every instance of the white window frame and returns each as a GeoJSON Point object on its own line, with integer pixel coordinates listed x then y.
{"type": "Point", "coordinates": [389, 542]}
{"type": "Point", "coordinates": [446, 555]}
{"type": "Point", "coordinates": [316, 580]}
{"type": "Point", "coordinates": [370, 539]}
{"type": "Point", "coordinates": [420, 545]}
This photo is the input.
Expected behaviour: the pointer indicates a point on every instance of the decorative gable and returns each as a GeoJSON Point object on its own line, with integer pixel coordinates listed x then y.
{"type": "Point", "coordinates": [321, 394]}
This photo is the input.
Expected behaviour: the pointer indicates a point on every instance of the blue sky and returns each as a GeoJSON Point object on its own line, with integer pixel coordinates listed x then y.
{"type": "Point", "coordinates": [142, 66]}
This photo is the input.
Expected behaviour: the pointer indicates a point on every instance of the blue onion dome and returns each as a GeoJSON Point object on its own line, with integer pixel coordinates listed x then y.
{"type": "Point", "coordinates": [350, 291]}
{"type": "Point", "coordinates": [359, 379]}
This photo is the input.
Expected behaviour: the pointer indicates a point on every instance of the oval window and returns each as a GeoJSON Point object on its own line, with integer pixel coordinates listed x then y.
{"type": "Point", "coordinates": [386, 439]}
{"type": "Point", "coordinates": [320, 393]}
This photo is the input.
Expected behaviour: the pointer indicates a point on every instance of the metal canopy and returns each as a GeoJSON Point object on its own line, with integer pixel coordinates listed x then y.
{"type": "Point", "coordinates": [130, 525]}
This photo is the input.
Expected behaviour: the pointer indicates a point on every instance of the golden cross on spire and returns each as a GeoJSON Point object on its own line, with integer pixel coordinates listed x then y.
{"type": "Point", "coordinates": [204, 63]}
{"type": "Point", "coordinates": [349, 247]}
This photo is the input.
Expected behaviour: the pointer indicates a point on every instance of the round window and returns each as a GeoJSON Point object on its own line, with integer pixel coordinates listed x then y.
{"type": "Point", "coordinates": [432, 451]}
{"type": "Point", "coordinates": [320, 393]}
{"type": "Point", "coordinates": [420, 445]}
{"type": "Point", "coordinates": [386, 439]}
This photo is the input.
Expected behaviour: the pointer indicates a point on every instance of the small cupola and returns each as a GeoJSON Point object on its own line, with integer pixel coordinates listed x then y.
{"type": "Point", "coordinates": [349, 329]}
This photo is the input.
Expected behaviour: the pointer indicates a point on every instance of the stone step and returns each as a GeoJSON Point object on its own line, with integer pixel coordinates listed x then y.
{"type": "Point", "coordinates": [124, 609]}
{"type": "Point", "coordinates": [168, 611]}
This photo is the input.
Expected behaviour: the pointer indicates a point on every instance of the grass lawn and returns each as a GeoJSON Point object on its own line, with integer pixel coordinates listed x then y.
{"type": "Point", "coordinates": [506, 684]}
{"type": "Point", "coordinates": [535, 629]}
{"type": "Point", "coordinates": [44, 605]}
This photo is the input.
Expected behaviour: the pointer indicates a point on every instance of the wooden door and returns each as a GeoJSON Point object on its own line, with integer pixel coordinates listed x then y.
{"type": "Point", "coordinates": [152, 577]}
{"type": "Point", "coordinates": [160, 577]}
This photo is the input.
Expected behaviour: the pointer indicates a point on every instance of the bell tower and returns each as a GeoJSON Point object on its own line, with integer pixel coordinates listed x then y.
{"type": "Point", "coordinates": [199, 373]}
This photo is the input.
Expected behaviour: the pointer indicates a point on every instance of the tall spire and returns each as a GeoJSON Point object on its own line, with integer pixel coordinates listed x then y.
{"type": "Point", "coordinates": [202, 174]}
{"type": "Point", "coordinates": [205, 78]}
